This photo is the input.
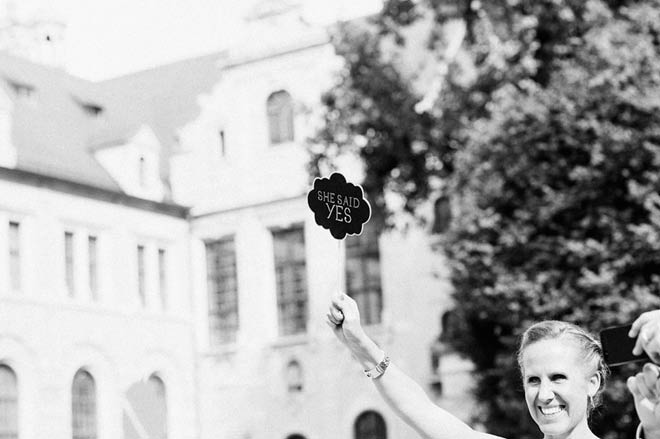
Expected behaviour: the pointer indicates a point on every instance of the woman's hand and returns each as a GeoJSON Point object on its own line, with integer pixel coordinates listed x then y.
{"type": "Point", "coordinates": [344, 319]}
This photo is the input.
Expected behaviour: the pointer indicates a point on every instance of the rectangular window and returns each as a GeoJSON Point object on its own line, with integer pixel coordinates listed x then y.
{"type": "Point", "coordinates": [69, 269]}
{"type": "Point", "coordinates": [363, 274]}
{"type": "Point", "coordinates": [142, 291]}
{"type": "Point", "coordinates": [14, 256]}
{"type": "Point", "coordinates": [92, 258]}
{"type": "Point", "coordinates": [142, 171]}
{"type": "Point", "coordinates": [162, 277]}
{"type": "Point", "coordinates": [223, 145]}
{"type": "Point", "coordinates": [222, 290]}
{"type": "Point", "coordinates": [291, 280]}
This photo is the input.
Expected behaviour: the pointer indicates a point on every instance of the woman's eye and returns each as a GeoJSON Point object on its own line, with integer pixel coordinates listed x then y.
{"type": "Point", "coordinates": [533, 380]}
{"type": "Point", "coordinates": [558, 377]}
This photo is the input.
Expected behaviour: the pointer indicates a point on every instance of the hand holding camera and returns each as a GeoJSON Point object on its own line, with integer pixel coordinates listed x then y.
{"type": "Point", "coordinates": [639, 341]}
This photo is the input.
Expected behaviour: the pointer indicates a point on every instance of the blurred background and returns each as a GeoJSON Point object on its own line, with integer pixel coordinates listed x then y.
{"type": "Point", "coordinates": [164, 278]}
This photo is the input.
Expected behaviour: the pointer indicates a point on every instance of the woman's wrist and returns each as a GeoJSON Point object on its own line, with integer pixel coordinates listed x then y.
{"type": "Point", "coordinates": [363, 348]}
{"type": "Point", "coordinates": [369, 354]}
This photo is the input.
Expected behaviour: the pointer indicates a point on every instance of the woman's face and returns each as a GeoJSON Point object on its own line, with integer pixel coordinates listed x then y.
{"type": "Point", "coordinates": [557, 386]}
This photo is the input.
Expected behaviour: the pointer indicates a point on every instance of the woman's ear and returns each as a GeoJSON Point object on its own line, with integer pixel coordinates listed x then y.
{"type": "Point", "coordinates": [594, 384]}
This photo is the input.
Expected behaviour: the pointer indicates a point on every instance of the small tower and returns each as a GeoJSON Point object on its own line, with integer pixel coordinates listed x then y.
{"type": "Point", "coordinates": [33, 34]}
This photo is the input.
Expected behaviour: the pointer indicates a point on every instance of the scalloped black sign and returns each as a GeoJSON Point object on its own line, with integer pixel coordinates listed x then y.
{"type": "Point", "coordinates": [338, 206]}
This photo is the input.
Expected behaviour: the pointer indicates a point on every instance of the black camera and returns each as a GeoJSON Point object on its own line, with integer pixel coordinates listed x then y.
{"type": "Point", "coordinates": [617, 346]}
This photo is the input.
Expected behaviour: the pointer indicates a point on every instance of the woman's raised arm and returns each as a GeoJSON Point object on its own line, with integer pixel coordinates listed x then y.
{"type": "Point", "coordinates": [402, 393]}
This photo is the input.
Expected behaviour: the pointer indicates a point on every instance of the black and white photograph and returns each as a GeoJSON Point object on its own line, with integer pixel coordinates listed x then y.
{"type": "Point", "coordinates": [330, 219]}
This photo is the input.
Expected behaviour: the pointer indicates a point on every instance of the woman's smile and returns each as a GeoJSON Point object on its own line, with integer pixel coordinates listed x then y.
{"type": "Point", "coordinates": [552, 411]}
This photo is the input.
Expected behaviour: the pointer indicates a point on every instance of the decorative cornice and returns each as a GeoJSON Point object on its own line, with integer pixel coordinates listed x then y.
{"type": "Point", "coordinates": [83, 190]}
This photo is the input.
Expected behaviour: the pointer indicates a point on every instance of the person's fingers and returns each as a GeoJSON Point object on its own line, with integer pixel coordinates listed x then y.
{"type": "Point", "coordinates": [631, 382]}
{"type": "Point", "coordinates": [337, 302]}
{"type": "Point", "coordinates": [333, 320]}
{"type": "Point", "coordinates": [336, 313]}
{"type": "Point", "coordinates": [638, 323]}
{"type": "Point", "coordinates": [651, 372]}
{"type": "Point", "coordinates": [641, 341]}
{"type": "Point", "coordinates": [652, 347]}
{"type": "Point", "coordinates": [656, 411]}
{"type": "Point", "coordinates": [648, 340]}
{"type": "Point", "coordinates": [346, 305]}
{"type": "Point", "coordinates": [642, 389]}
{"type": "Point", "coordinates": [642, 320]}
{"type": "Point", "coordinates": [648, 383]}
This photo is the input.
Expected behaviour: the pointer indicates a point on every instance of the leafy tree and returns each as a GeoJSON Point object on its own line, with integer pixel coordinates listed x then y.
{"type": "Point", "coordinates": [546, 136]}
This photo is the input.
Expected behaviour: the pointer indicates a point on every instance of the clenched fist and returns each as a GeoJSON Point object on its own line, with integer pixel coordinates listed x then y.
{"type": "Point", "coordinates": [344, 319]}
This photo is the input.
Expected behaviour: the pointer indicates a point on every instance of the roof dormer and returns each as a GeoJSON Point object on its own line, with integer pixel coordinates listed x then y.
{"type": "Point", "coordinates": [90, 108]}
{"type": "Point", "coordinates": [8, 155]}
{"type": "Point", "coordinates": [22, 90]}
{"type": "Point", "coordinates": [135, 164]}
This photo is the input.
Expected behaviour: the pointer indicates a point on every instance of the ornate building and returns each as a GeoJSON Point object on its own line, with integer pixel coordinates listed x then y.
{"type": "Point", "coordinates": [163, 276]}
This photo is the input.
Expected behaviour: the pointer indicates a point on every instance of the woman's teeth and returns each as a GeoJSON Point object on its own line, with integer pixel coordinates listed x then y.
{"type": "Point", "coordinates": [551, 410]}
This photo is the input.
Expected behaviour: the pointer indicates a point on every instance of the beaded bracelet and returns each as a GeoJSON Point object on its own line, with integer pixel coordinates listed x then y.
{"type": "Point", "coordinates": [379, 369]}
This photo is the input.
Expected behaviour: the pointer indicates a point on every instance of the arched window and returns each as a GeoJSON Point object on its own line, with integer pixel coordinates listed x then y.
{"type": "Point", "coordinates": [158, 425]}
{"type": "Point", "coordinates": [279, 107]}
{"type": "Point", "coordinates": [294, 377]}
{"type": "Point", "coordinates": [442, 215]}
{"type": "Point", "coordinates": [370, 425]}
{"type": "Point", "coordinates": [83, 406]}
{"type": "Point", "coordinates": [8, 403]}
{"type": "Point", "coordinates": [145, 409]}
{"type": "Point", "coordinates": [450, 326]}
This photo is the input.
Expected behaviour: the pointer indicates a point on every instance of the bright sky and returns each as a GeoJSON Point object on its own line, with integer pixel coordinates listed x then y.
{"type": "Point", "coordinates": [106, 38]}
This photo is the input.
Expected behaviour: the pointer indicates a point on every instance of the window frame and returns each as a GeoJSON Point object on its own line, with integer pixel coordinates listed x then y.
{"type": "Point", "coordinates": [15, 254]}
{"type": "Point", "coordinates": [281, 117]}
{"type": "Point", "coordinates": [93, 266]}
{"type": "Point", "coordinates": [363, 251]}
{"type": "Point", "coordinates": [222, 290]}
{"type": "Point", "coordinates": [9, 405]}
{"type": "Point", "coordinates": [295, 377]}
{"type": "Point", "coordinates": [84, 416]}
{"type": "Point", "coordinates": [163, 279]}
{"type": "Point", "coordinates": [142, 171]}
{"type": "Point", "coordinates": [368, 416]}
{"type": "Point", "coordinates": [70, 262]}
{"type": "Point", "coordinates": [291, 302]}
{"type": "Point", "coordinates": [141, 273]}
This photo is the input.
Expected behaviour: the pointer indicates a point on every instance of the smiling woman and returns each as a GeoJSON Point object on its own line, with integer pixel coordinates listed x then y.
{"type": "Point", "coordinates": [562, 368]}
{"type": "Point", "coordinates": [563, 374]}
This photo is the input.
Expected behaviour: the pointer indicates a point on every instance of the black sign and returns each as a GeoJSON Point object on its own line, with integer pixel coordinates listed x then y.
{"type": "Point", "coordinates": [338, 206]}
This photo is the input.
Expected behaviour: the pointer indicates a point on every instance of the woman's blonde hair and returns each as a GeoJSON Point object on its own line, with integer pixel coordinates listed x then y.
{"type": "Point", "coordinates": [590, 349]}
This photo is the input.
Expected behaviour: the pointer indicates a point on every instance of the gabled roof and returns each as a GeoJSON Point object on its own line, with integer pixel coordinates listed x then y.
{"type": "Point", "coordinates": [56, 130]}
{"type": "Point", "coordinates": [48, 129]}
{"type": "Point", "coordinates": [165, 98]}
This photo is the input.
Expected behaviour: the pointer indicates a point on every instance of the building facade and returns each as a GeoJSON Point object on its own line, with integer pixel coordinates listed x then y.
{"type": "Point", "coordinates": [269, 365]}
{"type": "Point", "coordinates": [96, 318]}
{"type": "Point", "coordinates": [163, 276]}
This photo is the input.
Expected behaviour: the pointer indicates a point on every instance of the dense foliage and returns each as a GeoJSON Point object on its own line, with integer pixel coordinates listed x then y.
{"type": "Point", "coordinates": [545, 134]}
